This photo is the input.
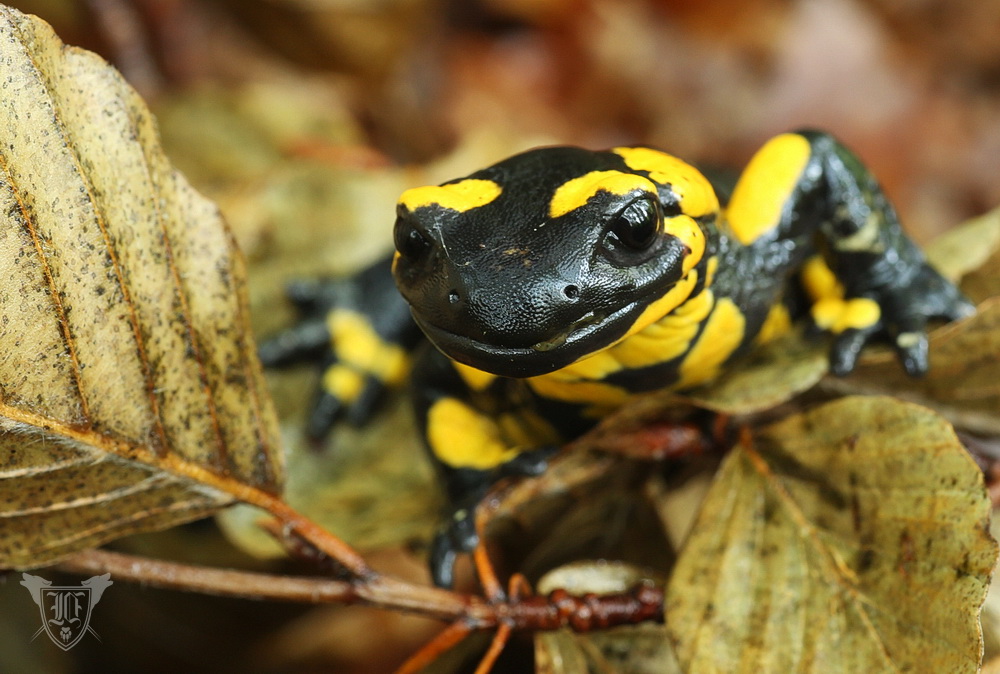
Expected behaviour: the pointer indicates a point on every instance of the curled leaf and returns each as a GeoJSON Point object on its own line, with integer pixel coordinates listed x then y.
{"type": "Point", "coordinates": [850, 538]}
{"type": "Point", "coordinates": [130, 393]}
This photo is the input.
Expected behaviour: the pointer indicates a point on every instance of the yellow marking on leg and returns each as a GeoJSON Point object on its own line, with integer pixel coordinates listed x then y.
{"type": "Point", "coordinates": [837, 315]}
{"type": "Point", "coordinates": [357, 344]}
{"type": "Point", "coordinates": [722, 335]}
{"type": "Point", "coordinates": [575, 193]}
{"type": "Point", "coordinates": [766, 185]}
{"type": "Point", "coordinates": [461, 437]}
{"type": "Point", "coordinates": [830, 310]}
{"type": "Point", "coordinates": [461, 196]}
{"type": "Point", "coordinates": [477, 380]}
{"type": "Point", "coordinates": [819, 281]}
{"type": "Point", "coordinates": [525, 428]}
{"type": "Point", "coordinates": [696, 194]}
{"type": "Point", "coordinates": [343, 382]}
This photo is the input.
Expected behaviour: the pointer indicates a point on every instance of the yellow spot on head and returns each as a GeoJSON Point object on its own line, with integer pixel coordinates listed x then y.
{"type": "Point", "coordinates": [696, 194]}
{"type": "Point", "coordinates": [461, 196]}
{"type": "Point", "coordinates": [691, 235]}
{"type": "Point", "coordinates": [766, 185]}
{"type": "Point", "coordinates": [575, 193]}
{"type": "Point", "coordinates": [672, 299]}
{"type": "Point", "coordinates": [667, 338]}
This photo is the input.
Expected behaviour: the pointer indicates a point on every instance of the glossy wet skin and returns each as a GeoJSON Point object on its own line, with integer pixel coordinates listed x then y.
{"type": "Point", "coordinates": [525, 267]}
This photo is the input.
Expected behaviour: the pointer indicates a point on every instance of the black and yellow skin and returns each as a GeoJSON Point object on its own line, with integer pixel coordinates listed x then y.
{"type": "Point", "coordinates": [561, 281]}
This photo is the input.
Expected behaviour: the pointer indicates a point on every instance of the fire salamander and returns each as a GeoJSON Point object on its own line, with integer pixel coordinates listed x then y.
{"type": "Point", "coordinates": [561, 281]}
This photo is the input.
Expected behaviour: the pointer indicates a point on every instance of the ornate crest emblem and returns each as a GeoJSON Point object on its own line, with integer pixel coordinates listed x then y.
{"type": "Point", "coordinates": [66, 609]}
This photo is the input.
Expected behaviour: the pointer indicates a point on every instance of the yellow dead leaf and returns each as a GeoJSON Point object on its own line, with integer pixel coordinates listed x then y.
{"type": "Point", "coordinates": [852, 538]}
{"type": "Point", "coordinates": [130, 393]}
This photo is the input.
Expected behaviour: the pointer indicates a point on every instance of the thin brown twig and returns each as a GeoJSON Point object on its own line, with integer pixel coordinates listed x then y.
{"type": "Point", "coordinates": [446, 639]}
{"type": "Point", "coordinates": [376, 589]}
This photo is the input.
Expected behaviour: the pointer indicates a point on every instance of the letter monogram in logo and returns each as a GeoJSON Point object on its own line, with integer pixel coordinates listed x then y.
{"type": "Point", "coordinates": [66, 609]}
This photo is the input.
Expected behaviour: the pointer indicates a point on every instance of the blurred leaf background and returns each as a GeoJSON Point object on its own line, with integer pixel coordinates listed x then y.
{"type": "Point", "coordinates": [304, 119]}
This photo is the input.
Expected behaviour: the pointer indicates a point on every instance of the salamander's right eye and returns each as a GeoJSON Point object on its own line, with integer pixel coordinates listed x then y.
{"type": "Point", "coordinates": [637, 225]}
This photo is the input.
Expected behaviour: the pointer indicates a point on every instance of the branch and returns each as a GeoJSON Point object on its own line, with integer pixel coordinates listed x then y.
{"type": "Point", "coordinates": [375, 590]}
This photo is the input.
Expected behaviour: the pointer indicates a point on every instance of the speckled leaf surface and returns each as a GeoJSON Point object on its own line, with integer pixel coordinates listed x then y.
{"type": "Point", "coordinates": [130, 393]}
{"type": "Point", "coordinates": [852, 538]}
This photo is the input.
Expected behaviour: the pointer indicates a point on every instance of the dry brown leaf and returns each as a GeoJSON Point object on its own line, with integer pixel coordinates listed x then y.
{"type": "Point", "coordinates": [130, 394]}
{"type": "Point", "coordinates": [850, 538]}
{"type": "Point", "coordinates": [767, 377]}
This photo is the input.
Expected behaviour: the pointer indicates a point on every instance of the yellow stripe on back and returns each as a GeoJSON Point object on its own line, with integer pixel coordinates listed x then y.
{"type": "Point", "coordinates": [696, 194]}
{"type": "Point", "coordinates": [575, 193]}
{"type": "Point", "coordinates": [766, 185]}
{"type": "Point", "coordinates": [461, 196]}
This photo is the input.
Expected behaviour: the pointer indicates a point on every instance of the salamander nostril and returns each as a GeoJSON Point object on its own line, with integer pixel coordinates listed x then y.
{"type": "Point", "coordinates": [454, 297]}
{"type": "Point", "coordinates": [571, 292]}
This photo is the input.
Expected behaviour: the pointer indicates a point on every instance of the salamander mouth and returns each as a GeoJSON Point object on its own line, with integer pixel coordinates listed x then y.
{"type": "Point", "coordinates": [588, 334]}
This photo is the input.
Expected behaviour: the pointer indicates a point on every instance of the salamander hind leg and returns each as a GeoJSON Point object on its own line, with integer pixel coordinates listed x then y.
{"type": "Point", "coordinates": [806, 193]}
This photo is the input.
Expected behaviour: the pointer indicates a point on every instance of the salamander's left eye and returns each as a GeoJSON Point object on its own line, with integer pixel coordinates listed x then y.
{"type": "Point", "coordinates": [637, 225]}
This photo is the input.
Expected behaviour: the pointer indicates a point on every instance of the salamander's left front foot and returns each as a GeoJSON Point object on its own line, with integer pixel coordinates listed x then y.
{"type": "Point", "coordinates": [457, 534]}
{"type": "Point", "coordinates": [898, 311]}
